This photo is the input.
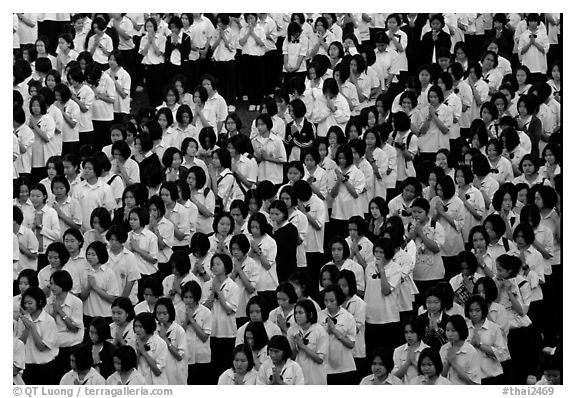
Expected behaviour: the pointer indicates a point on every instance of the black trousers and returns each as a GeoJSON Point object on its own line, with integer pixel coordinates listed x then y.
{"type": "Point", "coordinates": [200, 374]}
{"type": "Point", "coordinates": [221, 355]}
{"type": "Point", "coordinates": [154, 75]}
{"type": "Point", "coordinates": [341, 379]}
{"type": "Point", "coordinates": [101, 133]}
{"type": "Point", "coordinates": [71, 148]}
{"type": "Point", "coordinates": [40, 374]}
{"type": "Point", "coordinates": [226, 74]}
{"type": "Point", "coordinates": [254, 77]}
{"type": "Point", "coordinates": [387, 336]}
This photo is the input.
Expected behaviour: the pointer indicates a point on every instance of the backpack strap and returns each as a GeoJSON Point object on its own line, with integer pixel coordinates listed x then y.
{"type": "Point", "coordinates": [111, 180]}
{"type": "Point", "coordinates": [206, 190]}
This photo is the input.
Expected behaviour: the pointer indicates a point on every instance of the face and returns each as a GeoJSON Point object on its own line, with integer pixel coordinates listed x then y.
{"type": "Point", "coordinates": [255, 313]}
{"type": "Point", "coordinates": [276, 216]}
{"type": "Point", "coordinates": [433, 98]}
{"type": "Point", "coordinates": [139, 330]}
{"type": "Point", "coordinates": [23, 284]}
{"type": "Point", "coordinates": [322, 150]}
{"type": "Point", "coordinates": [283, 300]}
{"type": "Point", "coordinates": [330, 301]}
{"type": "Point", "coordinates": [549, 157]}
{"type": "Point", "coordinates": [349, 43]}
{"type": "Point", "coordinates": [165, 196]}
{"type": "Point", "coordinates": [374, 210]}
{"type": "Point", "coordinates": [344, 287]}
{"type": "Point", "coordinates": [286, 199]}
{"type": "Point", "coordinates": [442, 161]}
{"type": "Point", "coordinates": [93, 334]}
{"type": "Point", "coordinates": [410, 335]}
{"type": "Point", "coordinates": [91, 257]}
{"type": "Point", "coordinates": [427, 367]}
{"type": "Point", "coordinates": [89, 173]}
{"type": "Point", "coordinates": [478, 241]}
{"type": "Point", "coordinates": [333, 52]}
{"type": "Point", "coordinates": [353, 66]}
{"type": "Point", "coordinates": [35, 108]}
{"type": "Point", "coordinates": [337, 251]}
{"type": "Point", "coordinates": [119, 316]}
{"type": "Point", "coordinates": [176, 160]}
{"type": "Point", "coordinates": [475, 312]}
{"type": "Point", "coordinates": [325, 279]}
{"type": "Point", "coordinates": [418, 214]}
{"type": "Point", "coordinates": [96, 225]}
{"type": "Point", "coordinates": [451, 334]}
{"type": "Point", "coordinates": [528, 167]}
{"type": "Point", "coordinates": [553, 376]}
{"type": "Point", "coordinates": [424, 77]}
{"type": "Point", "coordinates": [459, 177]}
{"type": "Point", "coordinates": [501, 272]}
{"type": "Point", "coordinates": [460, 55]}
{"type": "Point", "coordinates": [486, 115]}
{"type": "Point", "coordinates": [150, 298]}
{"type": "Point", "coordinates": [538, 201]}
{"type": "Point", "coordinates": [433, 304]}
{"type": "Point", "coordinates": [275, 354]}
{"type": "Point", "coordinates": [491, 152]}
{"type": "Point", "coordinates": [500, 105]}
{"type": "Point", "coordinates": [162, 315]}
{"type": "Point", "coordinates": [115, 244]}
{"type": "Point", "coordinates": [435, 25]}
{"type": "Point", "coordinates": [134, 221]}
{"type": "Point", "coordinates": [249, 338]}
{"type": "Point", "coordinates": [240, 363]}
{"type": "Point", "coordinates": [520, 241]}
{"type": "Point", "coordinates": [522, 196]}
{"type": "Point", "coordinates": [312, 74]}
{"type": "Point", "coordinates": [223, 226]}
{"type": "Point", "coordinates": [237, 216]}
{"type": "Point", "coordinates": [488, 62]}
{"type": "Point", "coordinates": [521, 76]}
{"type": "Point", "coordinates": [37, 198]}
{"type": "Point", "coordinates": [507, 202]}
{"type": "Point", "coordinates": [208, 86]}
{"type": "Point", "coordinates": [342, 160]}
{"type": "Point", "coordinates": [261, 126]}
{"type": "Point", "coordinates": [444, 63]}
{"type": "Point", "coordinates": [378, 368]}
{"type": "Point", "coordinates": [154, 215]}
{"type": "Point", "coordinates": [556, 72]}
{"type": "Point", "coordinates": [217, 267]}
{"type": "Point", "coordinates": [378, 253]}
{"type": "Point", "coordinates": [50, 82]}
{"type": "Point", "coordinates": [40, 47]}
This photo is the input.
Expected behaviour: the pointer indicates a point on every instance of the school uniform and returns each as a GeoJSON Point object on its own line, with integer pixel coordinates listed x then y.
{"type": "Point", "coordinates": [252, 271]}
{"type": "Point", "coordinates": [291, 373]}
{"type": "Point", "coordinates": [533, 58]}
{"type": "Point", "coordinates": [429, 265]}
{"type": "Point", "coordinates": [326, 118]}
{"type": "Point", "coordinates": [206, 198]}
{"type": "Point", "coordinates": [468, 359]}
{"type": "Point", "coordinates": [491, 335]}
{"type": "Point", "coordinates": [135, 378]}
{"type": "Point", "coordinates": [18, 361]}
{"type": "Point", "coordinates": [272, 146]}
{"type": "Point", "coordinates": [91, 378]}
{"type": "Point", "coordinates": [344, 205]}
{"type": "Point", "coordinates": [400, 357]}
{"type": "Point", "coordinates": [153, 65]}
{"type": "Point", "coordinates": [434, 139]}
{"type": "Point", "coordinates": [227, 378]}
{"type": "Point", "coordinates": [128, 334]}
{"type": "Point", "coordinates": [28, 239]}
{"type": "Point", "coordinates": [224, 64]}
{"type": "Point", "coordinates": [407, 288]}
{"type": "Point", "coordinates": [177, 370]}
{"type": "Point", "coordinates": [158, 350]}
{"type": "Point", "coordinates": [271, 330]}
{"type": "Point", "coordinates": [339, 359]}
{"type": "Point", "coordinates": [105, 278]}
{"type": "Point", "coordinates": [390, 380]}
{"type": "Point", "coordinates": [198, 351]}
{"type": "Point", "coordinates": [26, 138]}
{"type": "Point", "coordinates": [121, 105]}
{"type": "Point", "coordinates": [315, 338]}
{"type": "Point", "coordinates": [39, 364]}
{"type": "Point", "coordinates": [124, 265]}
{"type": "Point", "coordinates": [148, 241]}
{"type": "Point", "coordinates": [440, 381]}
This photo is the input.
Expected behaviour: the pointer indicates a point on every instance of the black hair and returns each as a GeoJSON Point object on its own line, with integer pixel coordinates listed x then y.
{"type": "Point", "coordinates": [549, 197]}
{"type": "Point", "coordinates": [481, 301]}
{"type": "Point", "coordinates": [334, 288]}
{"type": "Point", "coordinates": [350, 279]}
{"type": "Point", "coordinates": [194, 288]}
{"type": "Point", "coordinates": [281, 343]}
{"type": "Point", "coordinates": [181, 261]}
{"type": "Point", "coordinates": [147, 320]}
{"type": "Point", "coordinates": [259, 334]}
{"type": "Point", "coordinates": [387, 246]}
{"type": "Point", "coordinates": [498, 225]}
{"type": "Point", "coordinates": [125, 304]}
{"type": "Point", "coordinates": [60, 249]}
{"type": "Point", "coordinates": [76, 234]}
{"type": "Point", "coordinates": [263, 304]}
{"type": "Point", "coordinates": [127, 357]}
{"type": "Point", "coordinates": [417, 327]}
{"type": "Point", "coordinates": [421, 203]}
{"type": "Point", "coordinates": [167, 302]}
{"type": "Point", "coordinates": [490, 289]}
{"type": "Point", "coordinates": [247, 351]}
{"type": "Point", "coordinates": [381, 204]}
{"type": "Point", "coordinates": [103, 217]}
{"type": "Point", "coordinates": [342, 241]}
{"type": "Point", "coordinates": [226, 260]}
{"type": "Point", "coordinates": [385, 356]}
{"type": "Point", "coordinates": [301, 278]}
{"type": "Point", "coordinates": [142, 215]}
{"type": "Point", "coordinates": [100, 250]}
{"type": "Point", "coordinates": [481, 230]}
{"type": "Point", "coordinates": [434, 355]}
{"type": "Point", "coordinates": [510, 263]}
{"type": "Point", "coordinates": [506, 188]}
{"type": "Point", "coordinates": [62, 278]}
{"type": "Point", "coordinates": [527, 232]}
{"type": "Point", "coordinates": [309, 309]}
{"type": "Point", "coordinates": [447, 185]}
{"type": "Point", "coordinates": [102, 328]}
{"type": "Point", "coordinates": [32, 277]}
{"type": "Point", "coordinates": [459, 324]}
{"type": "Point", "coordinates": [83, 356]}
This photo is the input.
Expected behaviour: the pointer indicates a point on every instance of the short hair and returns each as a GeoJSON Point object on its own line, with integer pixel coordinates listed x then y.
{"type": "Point", "coordinates": [265, 227]}
{"type": "Point", "coordinates": [301, 278]}
{"type": "Point", "coordinates": [446, 294]}
{"type": "Point", "coordinates": [436, 89]}
{"type": "Point", "coordinates": [125, 304]}
{"type": "Point", "coordinates": [259, 334]}
{"type": "Point", "coordinates": [481, 301]}
{"type": "Point", "coordinates": [153, 22]}
{"type": "Point", "coordinates": [76, 74]}
{"type": "Point", "coordinates": [287, 289]}
{"type": "Point", "coordinates": [100, 250]}
{"type": "Point", "coordinates": [488, 105]}
{"type": "Point", "coordinates": [103, 217]}
{"type": "Point", "coordinates": [401, 120]}
{"type": "Point", "coordinates": [530, 102]}
{"type": "Point", "coordinates": [481, 230]}
{"type": "Point", "coordinates": [510, 263]}
{"type": "Point", "coordinates": [459, 324]}
{"type": "Point", "coordinates": [181, 261]}
{"type": "Point", "coordinates": [93, 73]}
{"type": "Point", "coordinates": [396, 235]}
{"type": "Point", "coordinates": [417, 327]}
{"type": "Point", "coordinates": [309, 309]}
{"type": "Point", "coordinates": [220, 216]}
{"type": "Point", "coordinates": [510, 139]}
{"type": "Point", "coordinates": [142, 215]}
{"type": "Point", "coordinates": [434, 355]}
{"type": "Point", "coordinates": [62, 279]}
{"type": "Point", "coordinates": [60, 249]}
{"type": "Point", "coordinates": [43, 65]}
{"type": "Point", "coordinates": [41, 102]}
{"type": "Point", "coordinates": [347, 152]}
{"type": "Point", "coordinates": [456, 67]}
{"type": "Point", "coordinates": [224, 157]}
{"type": "Point", "coordinates": [263, 304]}
{"type": "Point", "coordinates": [64, 92]}
{"type": "Point", "coordinates": [447, 185]}
{"type": "Point", "coordinates": [76, 234]}
{"type": "Point", "coordinates": [168, 156]}
{"type": "Point", "coordinates": [296, 83]}
{"type": "Point", "coordinates": [466, 172]}
{"type": "Point", "coordinates": [194, 288]}
{"type": "Point", "coordinates": [334, 288]}
{"type": "Point", "coordinates": [200, 175]}
{"type": "Point", "coordinates": [342, 241]}
{"type": "Point", "coordinates": [359, 146]}
{"type": "Point", "coordinates": [167, 114]}
{"type": "Point", "coordinates": [127, 357]}
{"type": "Point", "coordinates": [281, 343]}
{"type": "Point", "coordinates": [226, 260]}
{"type": "Point", "coordinates": [527, 232]}
{"type": "Point", "coordinates": [212, 79]}
{"type": "Point", "coordinates": [182, 109]}
{"type": "Point", "coordinates": [498, 225]}
{"type": "Point", "coordinates": [96, 165]}
{"type": "Point", "coordinates": [506, 188]}
{"type": "Point", "coordinates": [490, 289]}
{"type": "Point", "coordinates": [83, 356]}
{"type": "Point", "coordinates": [302, 190]}
{"type": "Point", "coordinates": [147, 320]}
{"type": "Point", "coordinates": [31, 275]}
{"type": "Point", "coordinates": [480, 166]}
{"type": "Point", "coordinates": [549, 197]}
{"type": "Point", "coordinates": [207, 134]}
{"type": "Point", "coordinates": [154, 284]}
{"type": "Point", "coordinates": [443, 52]}
{"type": "Point", "coordinates": [247, 351]}
{"type": "Point", "coordinates": [350, 279]}
{"type": "Point", "coordinates": [433, 292]}
{"type": "Point", "coordinates": [385, 356]}
{"type": "Point", "coordinates": [122, 147]}
{"type": "Point", "coordinates": [17, 215]}
{"type": "Point", "coordinates": [280, 205]}
{"type": "Point", "coordinates": [387, 246]}
{"type": "Point", "coordinates": [242, 241]}
{"type": "Point", "coordinates": [381, 204]}
{"type": "Point", "coordinates": [102, 328]}
{"type": "Point", "coordinates": [421, 203]}
{"type": "Point", "coordinates": [165, 301]}
{"type": "Point", "coordinates": [555, 150]}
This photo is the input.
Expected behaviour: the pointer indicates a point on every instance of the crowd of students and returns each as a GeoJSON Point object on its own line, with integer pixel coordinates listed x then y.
{"type": "Point", "coordinates": [384, 207]}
